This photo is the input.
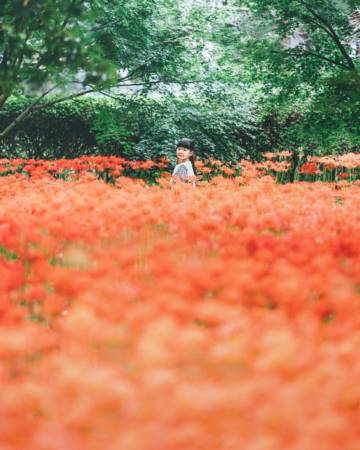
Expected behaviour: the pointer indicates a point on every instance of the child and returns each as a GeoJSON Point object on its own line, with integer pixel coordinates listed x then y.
{"type": "Point", "coordinates": [185, 169]}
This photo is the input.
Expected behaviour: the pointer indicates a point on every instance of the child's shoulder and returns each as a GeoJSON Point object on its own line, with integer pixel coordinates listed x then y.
{"type": "Point", "coordinates": [189, 167]}
{"type": "Point", "coordinates": [185, 164]}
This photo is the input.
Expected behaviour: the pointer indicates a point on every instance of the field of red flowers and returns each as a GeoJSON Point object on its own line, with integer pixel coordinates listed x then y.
{"type": "Point", "coordinates": [281, 165]}
{"type": "Point", "coordinates": [158, 317]}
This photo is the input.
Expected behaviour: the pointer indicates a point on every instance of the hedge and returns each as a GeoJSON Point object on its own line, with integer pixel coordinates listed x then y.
{"type": "Point", "coordinates": [131, 127]}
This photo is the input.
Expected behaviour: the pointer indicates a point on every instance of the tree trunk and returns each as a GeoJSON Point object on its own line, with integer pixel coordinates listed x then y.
{"type": "Point", "coordinates": [295, 164]}
{"type": "Point", "coordinates": [3, 99]}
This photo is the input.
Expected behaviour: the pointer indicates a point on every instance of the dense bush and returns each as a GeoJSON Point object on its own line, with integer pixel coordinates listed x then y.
{"type": "Point", "coordinates": [62, 130]}
{"type": "Point", "coordinates": [222, 124]}
{"type": "Point", "coordinates": [331, 122]}
{"type": "Point", "coordinates": [132, 127]}
{"type": "Point", "coordinates": [323, 122]}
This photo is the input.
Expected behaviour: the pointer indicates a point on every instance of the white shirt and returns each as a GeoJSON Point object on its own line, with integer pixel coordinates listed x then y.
{"type": "Point", "coordinates": [180, 168]}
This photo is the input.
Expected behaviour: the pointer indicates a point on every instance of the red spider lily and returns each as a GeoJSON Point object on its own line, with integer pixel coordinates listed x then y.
{"type": "Point", "coordinates": [228, 170]}
{"type": "Point", "coordinates": [269, 155]}
{"type": "Point", "coordinates": [344, 175]}
{"type": "Point", "coordinates": [111, 168]}
{"type": "Point", "coordinates": [141, 317]}
{"type": "Point", "coordinates": [349, 160]}
{"type": "Point", "coordinates": [285, 153]}
{"type": "Point", "coordinates": [310, 168]}
{"type": "Point", "coordinates": [330, 165]}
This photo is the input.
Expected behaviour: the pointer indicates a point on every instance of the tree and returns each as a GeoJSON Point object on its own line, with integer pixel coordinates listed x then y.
{"type": "Point", "coordinates": [143, 42]}
{"type": "Point", "coordinates": [45, 40]}
{"type": "Point", "coordinates": [324, 46]}
{"type": "Point", "coordinates": [152, 41]}
{"type": "Point", "coordinates": [303, 56]}
{"type": "Point", "coordinates": [42, 41]}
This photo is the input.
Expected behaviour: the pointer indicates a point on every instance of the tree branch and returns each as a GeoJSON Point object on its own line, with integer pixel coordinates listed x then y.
{"type": "Point", "coordinates": [36, 106]}
{"type": "Point", "coordinates": [4, 61]}
{"type": "Point", "coordinates": [62, 99]}
{"type": "Point", "coordinates": [309, 53]}
{"type": "Point", "coordinates": [145, 83]}
{"type": "Point", "coordinates": [24, 114]}
{"type": "Point", "coordinates": [134, 71]}
{"type": "Point", "coordinates": [67, 18]}
{"type": "Point", "coordinates": [328, 28]}
{"type": "Point", "coordinates": [18, 61]}
{"type": "Point", "coordinates": [3, 99]}
{"type": "Point", "coordinates": [149, 83]}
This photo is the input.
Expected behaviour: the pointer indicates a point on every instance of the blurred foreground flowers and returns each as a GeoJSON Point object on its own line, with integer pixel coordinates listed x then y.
{"type": "Point", "coordinates": [142, 318]}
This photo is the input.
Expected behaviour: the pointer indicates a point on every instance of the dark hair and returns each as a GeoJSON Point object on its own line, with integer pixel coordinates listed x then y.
{"type": "Point", "coordinates": [189, 144]}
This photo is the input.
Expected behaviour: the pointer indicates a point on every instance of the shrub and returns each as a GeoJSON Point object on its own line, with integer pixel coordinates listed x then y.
{"type": "Point", "coordinates": [131, 127]}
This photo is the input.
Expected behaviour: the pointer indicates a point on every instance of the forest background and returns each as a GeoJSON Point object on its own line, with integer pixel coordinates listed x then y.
{"type": "Point", "coordinates": [131, 77]}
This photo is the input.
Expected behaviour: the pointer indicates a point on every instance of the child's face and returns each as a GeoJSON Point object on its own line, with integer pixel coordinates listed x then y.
{"type": "Point", "coordinates": [183, 154]}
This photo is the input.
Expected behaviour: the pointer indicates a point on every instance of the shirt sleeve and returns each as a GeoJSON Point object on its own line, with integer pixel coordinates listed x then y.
{"type": "Point", "coordinates": [181, 172]}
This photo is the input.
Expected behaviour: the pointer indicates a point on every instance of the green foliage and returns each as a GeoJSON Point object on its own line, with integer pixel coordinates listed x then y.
{"type": "Point", "coordinates": [327, 123]}
{"type": "Point", "coordinates": [50, 40]}
{"type": "Point", "coordinates": [219, 124]}
{"type": "Point", "coordinates": [49, 46]}
{"type": "Point", "coordinates": [310, 88]}
{"type": "Point", "coordinates": [134, 127]}
{"type": "Point", "coordinates": [8, 254]}
{"type": "Point", "coordinates": [150, 39]}
{"type": "Point", "coordinates": [62, 130]}
{"type": "Point", "coordinates": [111, 130]}
{"type": "Point", "coordinates": [324, 35]}
{"type": "Point", "coordinates": [46, 40]}
{"type": "Point", "coordinates": [229, 65]}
